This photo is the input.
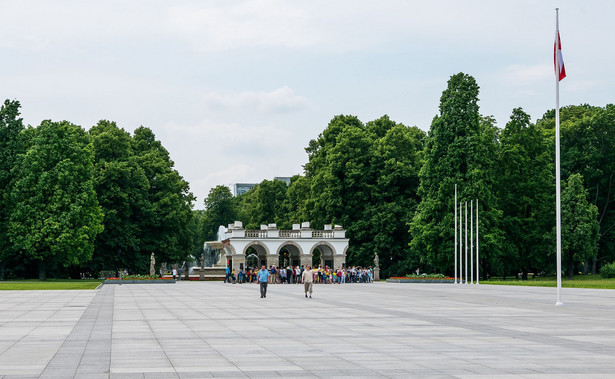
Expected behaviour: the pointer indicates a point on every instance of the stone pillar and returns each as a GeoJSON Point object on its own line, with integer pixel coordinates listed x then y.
{"type": "Point", "coordinates": [306, 259]}
{"type": "Point", "coordinates": [376, 274]}
{"type": "Point", "coordinates": [238, 260]}
{"type": "Point", "coordinates": [338, 260]}
{"type": "Point", "coordinates": [272, 259]}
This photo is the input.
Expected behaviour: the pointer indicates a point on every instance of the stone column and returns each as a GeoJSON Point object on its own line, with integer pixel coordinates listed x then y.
{"type": "Point", "coordinates": [338, 260]}
{"type": "Point", "coordinates": [306, 259]}
{"type": "Point", "coordinates": [238, 260]}
{"type": "Point", "coordinates": [272, 259]}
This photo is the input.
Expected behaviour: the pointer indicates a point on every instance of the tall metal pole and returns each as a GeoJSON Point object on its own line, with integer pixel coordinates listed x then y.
{"type": "Point", "coordinates": [455, 234]}
{"type": "Point", "coordinates": [471, 242]}
{"type": "Point", "coordinates": [477, 265]}
{"type": "Point", "coordinates": [558, 211]}
{"type": "Point", "coordinates": [466, 237]}
{"type": "Point", "coordinates": [460, 243]}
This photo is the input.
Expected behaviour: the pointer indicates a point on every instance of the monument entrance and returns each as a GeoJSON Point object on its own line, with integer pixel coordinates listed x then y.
{"type": "Point", "coordinates": [271, 246]}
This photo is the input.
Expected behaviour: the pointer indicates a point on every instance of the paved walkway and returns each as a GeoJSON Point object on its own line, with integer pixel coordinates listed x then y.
{"type": "Point", "coordinates": [204, 329]}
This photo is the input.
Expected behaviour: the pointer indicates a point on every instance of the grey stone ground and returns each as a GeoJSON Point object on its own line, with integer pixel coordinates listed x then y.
{"type": "Point", "coordinates": [203, 329]}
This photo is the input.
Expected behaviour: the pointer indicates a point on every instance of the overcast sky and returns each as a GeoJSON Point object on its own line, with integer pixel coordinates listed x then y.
{"type": "Point", "coordinates": [236, 89]}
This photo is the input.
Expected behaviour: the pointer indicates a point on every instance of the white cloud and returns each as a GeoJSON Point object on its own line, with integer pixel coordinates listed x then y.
{"type": "Point", "coordinates": [524, 75]}
{"type": "Point", "coordinates": [212, 153]}
{"type": "Point", "coordinates": [279, 100]}
{"type": "Point", "coordinates": [219, 26]}
{"type": "Point", "coordinates": [46, 24]}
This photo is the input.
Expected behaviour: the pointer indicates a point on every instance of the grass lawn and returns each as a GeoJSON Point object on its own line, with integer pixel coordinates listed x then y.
{"type": "Point", "coordinates": [579, 281]}
{"type": "Point", "coordinates": [50, 284]}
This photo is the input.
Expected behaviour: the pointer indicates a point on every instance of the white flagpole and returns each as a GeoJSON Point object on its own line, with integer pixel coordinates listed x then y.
{"type": "Point", "coordinates": [466, 251]}
{"type": "Point", "coordinates": [477, 265]}
{"type": "Point", "coordinates": [460, 243]}
{"type": "Point", "coordinates": [455, 234]}
{"type": "Point", "coordinates": [471, 242]}
{"type": "Point", "coordinates": [558, 211]}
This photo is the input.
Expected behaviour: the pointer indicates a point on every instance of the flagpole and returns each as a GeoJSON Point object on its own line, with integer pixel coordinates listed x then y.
{"type": "Point", "coordinates": [465, 259]}
{"type": "Point", "coordinates": [455, 234]}
{"type": "Point", "coordinates": [558, 212]}
{"type": "Point", "coordinates": [460, 242]}
{"type": "Point", "coordinates": [477, 265]}
{"type": "Point", "coordinates": [471, 242]}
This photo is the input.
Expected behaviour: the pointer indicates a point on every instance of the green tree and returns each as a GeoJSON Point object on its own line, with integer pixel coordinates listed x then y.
{"type": "Point", "coordinates": [11, 146]}
{"type": "Point", "coordinates": [122, 190]}
{"type": "Point", "coordinates": [198, 236]}
{"type": "Point", "coordinates": [460, 149]}
{"type": "Point", "coordinates": [396, 163]}
{"type": "Point", "coordinates": [579, 224]}
{"type": "Point", "coordinates": [525, 192]}
{"type": "Point", "coordinates": [56, 216]}
{"type": "Point", "coordinates": [588, 148]}
{"type": "Point", "coordinates": [167, 213]}
{"type": "Point", "coordinates": [265, 204]}
{"type": "Point", "coordinates": [296, 202]}
{"type": "Point", "coordinates": [220, 209]}
{"type": "Point", "coordinates": [342, 186]}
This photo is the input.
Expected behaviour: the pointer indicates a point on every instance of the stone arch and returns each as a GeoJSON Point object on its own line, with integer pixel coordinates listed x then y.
{"type": "Point", "coordinates": [262, 251]}
{"type": "Point", "coordinates": [327, 253]}
{"type": "Point", "coordinates": [295, 251]}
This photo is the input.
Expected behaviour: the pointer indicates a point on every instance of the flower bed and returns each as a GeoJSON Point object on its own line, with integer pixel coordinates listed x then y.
{"type": "Point", "coordinates": [416, 280]}
{"type": "Point", "coordinates": [138, 279]}
{"type": "Point", "coordinates": [424, 278]}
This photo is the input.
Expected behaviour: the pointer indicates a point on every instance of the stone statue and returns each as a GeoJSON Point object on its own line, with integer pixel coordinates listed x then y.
{"type": "Point", "coordinates": [376, 268]}
{"type": "Point", "coordinates": [152, 263]}
{"type": "Point", "coordinates": [203, 261]}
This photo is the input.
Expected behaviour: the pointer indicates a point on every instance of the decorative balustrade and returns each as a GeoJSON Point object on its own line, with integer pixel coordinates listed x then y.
{"type": "Point", "coordinates": [256, 234]}
{"type": "Point", "coordinates": [322, 234]}
{"type": "Point", "coordinates": [290, 234]}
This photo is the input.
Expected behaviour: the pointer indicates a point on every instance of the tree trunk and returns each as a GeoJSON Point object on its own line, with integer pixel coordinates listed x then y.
{"type": "Point", "coordinates": [594, 261]}
{"type": "Point", "coordinates": [586, 266]}
{"type": "Point", "coordinates": [570, 267]}
{"type": "Point", "coordinates": [42, 270]}
{"type": "Point", "coordinates": [1, 270]}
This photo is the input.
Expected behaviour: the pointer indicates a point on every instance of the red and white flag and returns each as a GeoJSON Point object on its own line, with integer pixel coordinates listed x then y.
{"type": "Point", "coordinates": [557, 57]}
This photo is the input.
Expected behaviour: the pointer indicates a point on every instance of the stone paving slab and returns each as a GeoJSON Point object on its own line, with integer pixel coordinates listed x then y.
{"type": "Point", "coordinates": [381, 330]}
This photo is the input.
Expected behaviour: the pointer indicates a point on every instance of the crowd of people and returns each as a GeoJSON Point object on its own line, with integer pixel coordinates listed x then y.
{"type": "Point", "coordinates": [293, 275]}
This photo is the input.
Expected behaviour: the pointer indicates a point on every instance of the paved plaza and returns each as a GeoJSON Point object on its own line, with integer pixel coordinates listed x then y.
{"type": "Point", "coordinates": [381, 330]}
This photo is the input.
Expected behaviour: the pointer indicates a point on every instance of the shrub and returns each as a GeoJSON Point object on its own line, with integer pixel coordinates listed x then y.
{"type": "Point", "coordinates": [608, 270]}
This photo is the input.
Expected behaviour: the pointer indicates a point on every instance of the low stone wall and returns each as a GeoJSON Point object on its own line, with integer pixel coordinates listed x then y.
{"type": "Point", "coordinates": [420, 280]}
{"type": "Point", "coordinates": [123, 281]}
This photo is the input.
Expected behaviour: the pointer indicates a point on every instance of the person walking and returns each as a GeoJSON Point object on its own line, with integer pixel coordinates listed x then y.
{"type": "Point", "coordinates": [227, 276]}
{"type": "Point", "coordinates": [308, 278]}
{"type": "Point", "coordinates": [263, 275]}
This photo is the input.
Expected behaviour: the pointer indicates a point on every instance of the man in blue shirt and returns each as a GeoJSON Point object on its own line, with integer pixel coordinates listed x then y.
{"type": "Point", "coordinates": [228, 274]}
{"type": "Point", "coordinates": [263, 275]}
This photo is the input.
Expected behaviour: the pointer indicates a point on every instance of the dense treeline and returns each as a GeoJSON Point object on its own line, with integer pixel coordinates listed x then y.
{"type": "Point", "coordinates": [76, 200]}
{"type": "Point", "coordinates": [392, 187]}
{"type": "Point", "coordinates": [83, 201]}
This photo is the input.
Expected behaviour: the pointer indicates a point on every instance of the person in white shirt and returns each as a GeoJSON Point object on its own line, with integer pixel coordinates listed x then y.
{"type": "Point", "coordinates": [308, 279]}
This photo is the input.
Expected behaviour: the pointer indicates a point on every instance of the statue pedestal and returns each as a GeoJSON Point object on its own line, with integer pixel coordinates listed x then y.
{"type": "Point", "coordinates": [376, 274]}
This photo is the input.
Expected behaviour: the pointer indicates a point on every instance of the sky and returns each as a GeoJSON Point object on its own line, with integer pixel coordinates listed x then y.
{"type": "Point", "coordinates": [235, 90]}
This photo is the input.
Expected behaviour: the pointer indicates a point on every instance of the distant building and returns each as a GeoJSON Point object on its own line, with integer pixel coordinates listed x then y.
{"type": "Point", "coordinates": [285, 179]}
{"type": "Point", "coordinates": [240, 188]}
